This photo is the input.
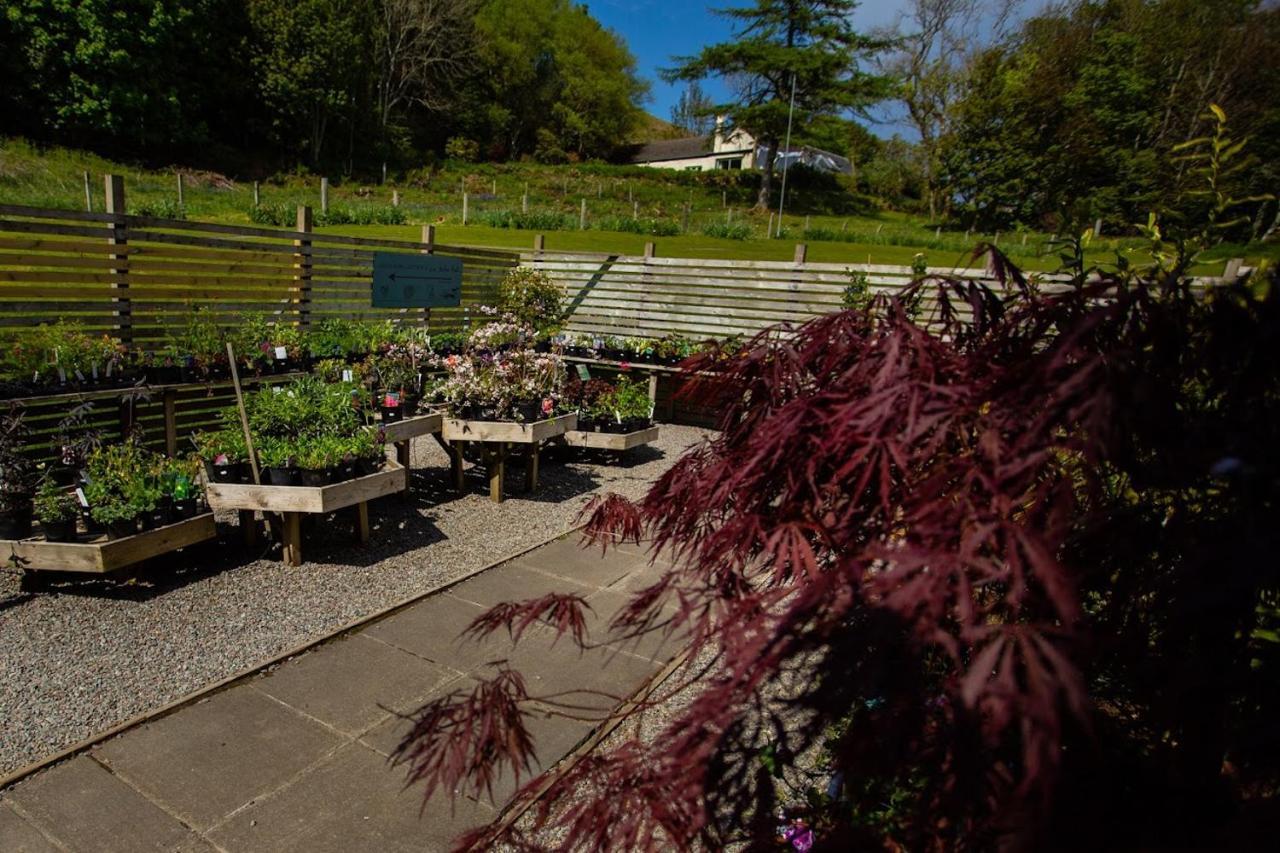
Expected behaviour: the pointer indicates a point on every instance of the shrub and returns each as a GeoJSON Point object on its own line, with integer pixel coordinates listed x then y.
{"type": "Point", "coordinates": [532, 298]}
{"type": "Point", "coordinates": [1016, 570]}
{"type": "Point", "coordinates": [727, 230]}
{"type": "Point", "coordinates": [857, 293]}
{"type": "Point", "coordinates": [462, 148]}
{"type": "Point", "coordinates": [163, 208]}
{"type": "Point", "coordinates": [631, 225]}
{"type": "Point", "coordinates": [542, 220]}
{"type": "Point", "coordinates": [53, 503]}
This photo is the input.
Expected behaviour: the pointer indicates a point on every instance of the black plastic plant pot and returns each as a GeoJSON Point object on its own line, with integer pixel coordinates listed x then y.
{"type": "Point", "coordinates": [89, 523]}
{"type": "Point", "coordinates": [391, 414]}
{"type": "Point", "coordinates": [369, 465]}
{"type": "Point", "coordinates": [283, 476]}
{"type": "Point", "coordinates": [16, 523]}
{"type": "Point", "coordinates": [316, 476]}
{"type": "Point", "coordinates": [122, 528]}
{"type": "Point", "coordinates": [59, 531]}
{"type": "Point", "coordinates": [345, 471]}
{"type": "Point", "coordinates": [226, 472]}
{"type": "Point", "coordinates": [160, 516]}
{"type": "Point", "coordinates": [185, 508]}
{"type": "Point", "coordinates": [636, 424]}
{"type": "Point", "coordinates": [166, 375]}
{"type": "Point", "coordinates": [63, 475]}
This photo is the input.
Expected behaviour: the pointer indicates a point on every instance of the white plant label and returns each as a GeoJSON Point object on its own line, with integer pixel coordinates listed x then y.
{"type": "Point", "coordinates": [84, 502]}
{"type": "Point", "coordinates": [282, 354]}
{"type": "Point", "coordinates": [347, 377]}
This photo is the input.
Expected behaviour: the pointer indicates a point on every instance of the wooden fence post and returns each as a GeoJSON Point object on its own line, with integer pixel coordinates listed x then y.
{"type": "Point", "coordinates": [303, 265]}
{"type": "Point", "coordinates": [428, 248]}
{"type": "Point", "coordinates": [648, 251]}
{"type": "Point", "coordinates": [769, 232]}
{"type": "Point", "coordinates": [395, 198]}
{"type": "Point", "coordinates": [802, 252]}
{"type": "Point", "coordinates": [114, 187]}
{"type": "Point", "coordinates": [324, 195]}
{"type": "Point", "coordinates": [180, 201]}
{"type": "Point", "coordinates": [255, 194]}
{"type": "Point", "coordinates": [635, 210]}
{"type": "Point", "coordinates": [685, 226]}
{"type": "Point", "coordinates": [465, 198]}
{"type": "Point", "coordinates": [88, 194]}
{"type": "Point", "coordinates": [539, 241]}
{"type": "Point", "coordinates": [582, 216]}
{"type": "Point", "coordinates": [524, 200]}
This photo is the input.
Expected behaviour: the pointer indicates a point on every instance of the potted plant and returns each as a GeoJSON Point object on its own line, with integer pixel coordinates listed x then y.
{"type": "Point", "coordinates": [184, 488]}
{"type": "Point", "coordinates": [113, 511]}
{"type": "Point", "coordinates": [316, 461]}
{"type": "Point", "coordinates": [279, 466]}
{"type": "Point", "coordinates": [74, 439]}
{"type": "Point", "coordinates": [225, 455]}
{"type": "Point", "coordinates": [17, 477]}
{"type": "Point", "coordinates": [369, 447]}
{"type": "Point", "coordinates": [57, 509]}
{"type": "Point", "coordinates": [632, 410]}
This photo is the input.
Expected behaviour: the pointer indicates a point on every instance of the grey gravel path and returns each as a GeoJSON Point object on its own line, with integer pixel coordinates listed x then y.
{"type": "Point", "coordinates": [76, 662]}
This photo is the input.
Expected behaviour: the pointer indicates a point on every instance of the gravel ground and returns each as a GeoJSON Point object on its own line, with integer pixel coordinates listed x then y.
{"type": "Point", "coordinates": [90, 654]}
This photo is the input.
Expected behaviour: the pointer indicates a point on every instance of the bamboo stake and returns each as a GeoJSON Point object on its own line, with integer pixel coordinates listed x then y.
{"type": "Point", "coordinates": [244, 415]}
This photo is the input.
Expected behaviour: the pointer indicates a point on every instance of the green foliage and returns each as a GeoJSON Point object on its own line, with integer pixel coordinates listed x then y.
{"type": "Point", "coordinates": [531, 221]}
{"type": "Point", "coordinates": [532, 297]}
{"type": "Point", "coordinates": [632, 225]}
{"type": "Point", "coordinates": [1216, 165]}
{"type": "Point", "coordinates": [53, 503]}
{"type": "Point", "coordinates": [778, 43]}
{"type": "Point", "coordinates": [462, 148]}
{"type": "Point", "coordinates": [163, 208]}
{"type": "Point", "coordinates": [727, 230]}
{"type": "Point", "coordinates": [857, 293]}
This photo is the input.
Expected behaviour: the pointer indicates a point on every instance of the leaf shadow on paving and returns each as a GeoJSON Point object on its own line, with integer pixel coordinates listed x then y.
{"type": "Point", "coordinates": [298, 757]}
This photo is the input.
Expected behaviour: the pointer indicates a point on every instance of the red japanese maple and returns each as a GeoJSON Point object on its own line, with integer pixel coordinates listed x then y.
{"type": "Point", "coordinates": [949, 530]}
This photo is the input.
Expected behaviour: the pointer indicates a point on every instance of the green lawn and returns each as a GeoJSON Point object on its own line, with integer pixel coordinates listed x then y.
{"type": "Point", "coordinates": [54, 177]}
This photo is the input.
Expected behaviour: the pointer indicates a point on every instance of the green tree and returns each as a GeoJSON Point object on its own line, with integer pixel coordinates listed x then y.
{"type": "Point", "coordinates": [808, 46]}
{"type": "Point", "coordinates": [314, 63]}
{"type": "Point", "coordinates": [692, 113]}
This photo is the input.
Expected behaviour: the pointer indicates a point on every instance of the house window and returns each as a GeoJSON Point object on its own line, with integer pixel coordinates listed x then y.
{"type": "Point", "coordinates": [693, 168]}
{"type": "Point", "coordinates": [729, 163]}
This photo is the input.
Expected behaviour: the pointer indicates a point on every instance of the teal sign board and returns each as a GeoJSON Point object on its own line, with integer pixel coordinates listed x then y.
{"type": "Point", "coordinates": [416, 281]}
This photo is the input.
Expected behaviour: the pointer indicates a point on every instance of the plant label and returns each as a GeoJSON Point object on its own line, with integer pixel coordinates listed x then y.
{"type": "Point", "coordinates": [583, 373]}
{"type": "Point", "coordinates": [79, 375]}
{"type": "Point", "coordinates": [84, 502]}
{"type": "Point", "coordinates": [282, 354]}
{"type": "Point", "coordinates": [347, 376]}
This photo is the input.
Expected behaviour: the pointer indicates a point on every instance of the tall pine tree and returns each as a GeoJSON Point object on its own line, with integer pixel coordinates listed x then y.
{"type": "Point", "coordinates": [775, 42]}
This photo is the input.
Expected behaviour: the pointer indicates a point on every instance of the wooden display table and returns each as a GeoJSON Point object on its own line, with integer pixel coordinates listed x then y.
{"type": "Point", "coordinates": [610, 440]}
{"type": "Point", "coordinates": [496, 438]}
{"type": "Point", "coordinates": [292, 501]}
{"type": "Point", "coordinates": [400, 433]}
{"type": "Point", "coordinates": [99, 555]}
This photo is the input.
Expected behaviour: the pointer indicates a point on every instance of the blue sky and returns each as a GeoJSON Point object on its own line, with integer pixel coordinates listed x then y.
{"type": "Point", "coordinates": [656, 30]}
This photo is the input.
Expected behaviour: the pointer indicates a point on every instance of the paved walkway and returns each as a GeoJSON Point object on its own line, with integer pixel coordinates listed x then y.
{"type": "Point", "coordinates": [295, 758]}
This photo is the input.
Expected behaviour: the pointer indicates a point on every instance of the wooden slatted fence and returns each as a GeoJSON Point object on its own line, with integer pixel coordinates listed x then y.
{"type": "Point", "coordinates": [137, 277]}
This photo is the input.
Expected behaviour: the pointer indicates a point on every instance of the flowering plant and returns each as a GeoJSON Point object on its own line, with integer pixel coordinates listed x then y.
{"type": "Point", "coordinates": [516, 384]}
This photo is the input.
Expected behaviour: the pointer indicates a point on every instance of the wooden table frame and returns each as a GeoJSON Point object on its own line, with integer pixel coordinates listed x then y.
{"type": "Point", "coordinates": [496, 439]}
{"type": "Point", "coordinates": [100, 555]}
{"type": "Point", "coordinates": [292, 501]}
{"type": "Point", "coordinates": [401, 433]}
{"type": "Point", "coordinates": [617, 441]}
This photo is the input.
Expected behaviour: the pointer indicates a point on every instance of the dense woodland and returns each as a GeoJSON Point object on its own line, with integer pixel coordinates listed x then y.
{"type": "Point", "coordinates": [1048, 121]}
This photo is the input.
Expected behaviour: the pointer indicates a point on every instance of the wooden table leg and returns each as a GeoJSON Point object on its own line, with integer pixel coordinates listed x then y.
{"type": "Point", "coordinates": [292, 551]}
{"type": "Point", "coordinates": [362, 522]}
{"type": "Point", "coordinates": [402, 456]}
{"type": "Point", "coordinates": [497, 467]}
{"type": "Point", "coordinates": [455, 465]}
{"type": "Point", "coordinates": [531, 468]}
{"type": "Point", "coordinates": [249, 529]}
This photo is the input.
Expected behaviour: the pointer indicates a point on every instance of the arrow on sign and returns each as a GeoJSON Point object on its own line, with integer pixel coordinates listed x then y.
{"type": "Point", "coordinates": [395, 277]}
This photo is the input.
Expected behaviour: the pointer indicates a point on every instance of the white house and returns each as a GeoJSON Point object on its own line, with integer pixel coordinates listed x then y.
{"type": "Point", "coordinates": [736, 150]}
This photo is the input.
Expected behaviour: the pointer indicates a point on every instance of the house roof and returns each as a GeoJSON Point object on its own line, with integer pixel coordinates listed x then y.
{"type": "Point", "coordinates": [672, 149]}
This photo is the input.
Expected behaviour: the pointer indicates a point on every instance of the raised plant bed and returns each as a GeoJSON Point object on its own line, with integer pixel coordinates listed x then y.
{"type": "Point", "coordinates": [610, 440]}
{"type": "Point", "coordinates": [99, 555]}
{"type": "Point", "coordinates": [292, 501]}
{"type": "Point", "coordinates": [401, 432]}
{"type": "Point", "coordinates": [496, 437]}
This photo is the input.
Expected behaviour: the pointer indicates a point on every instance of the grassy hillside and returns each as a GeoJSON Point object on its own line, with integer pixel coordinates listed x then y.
{"type": "Point", "coordinates": [625, 207]}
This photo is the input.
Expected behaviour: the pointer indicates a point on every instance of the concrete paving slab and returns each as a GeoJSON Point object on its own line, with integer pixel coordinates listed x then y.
{"type": "Point", "coordinates": [87, 809]}
{"type": "Point", "coordinates": [432, 629]}
{"type": "Point", "coordinates": [567, 559]}
{"type": "Point", "coordinates": [514, 583]}
{"type": "Point", "coordinates": [559, 669]}
{"type": "Point", "coordinates": [208, 759]}
{"type": "Point", "coordinates": [385, 736]}
{"type": "Point", "coordinates": [345, 683]}
{"type": "Point", "coordinates": [353, 802]}
{"type": "Point", "coordinates": [554, 737]}
{"type": "Point", "coordinates": [17, 835]}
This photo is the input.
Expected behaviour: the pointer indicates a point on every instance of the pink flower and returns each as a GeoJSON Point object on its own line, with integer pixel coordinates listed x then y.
{"type": "Point", "coordinates": [800, 836]}
{"type": "Point", "coordinates": [547, 406]}
{"type": "Point", "coordinates": [624, 365]}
